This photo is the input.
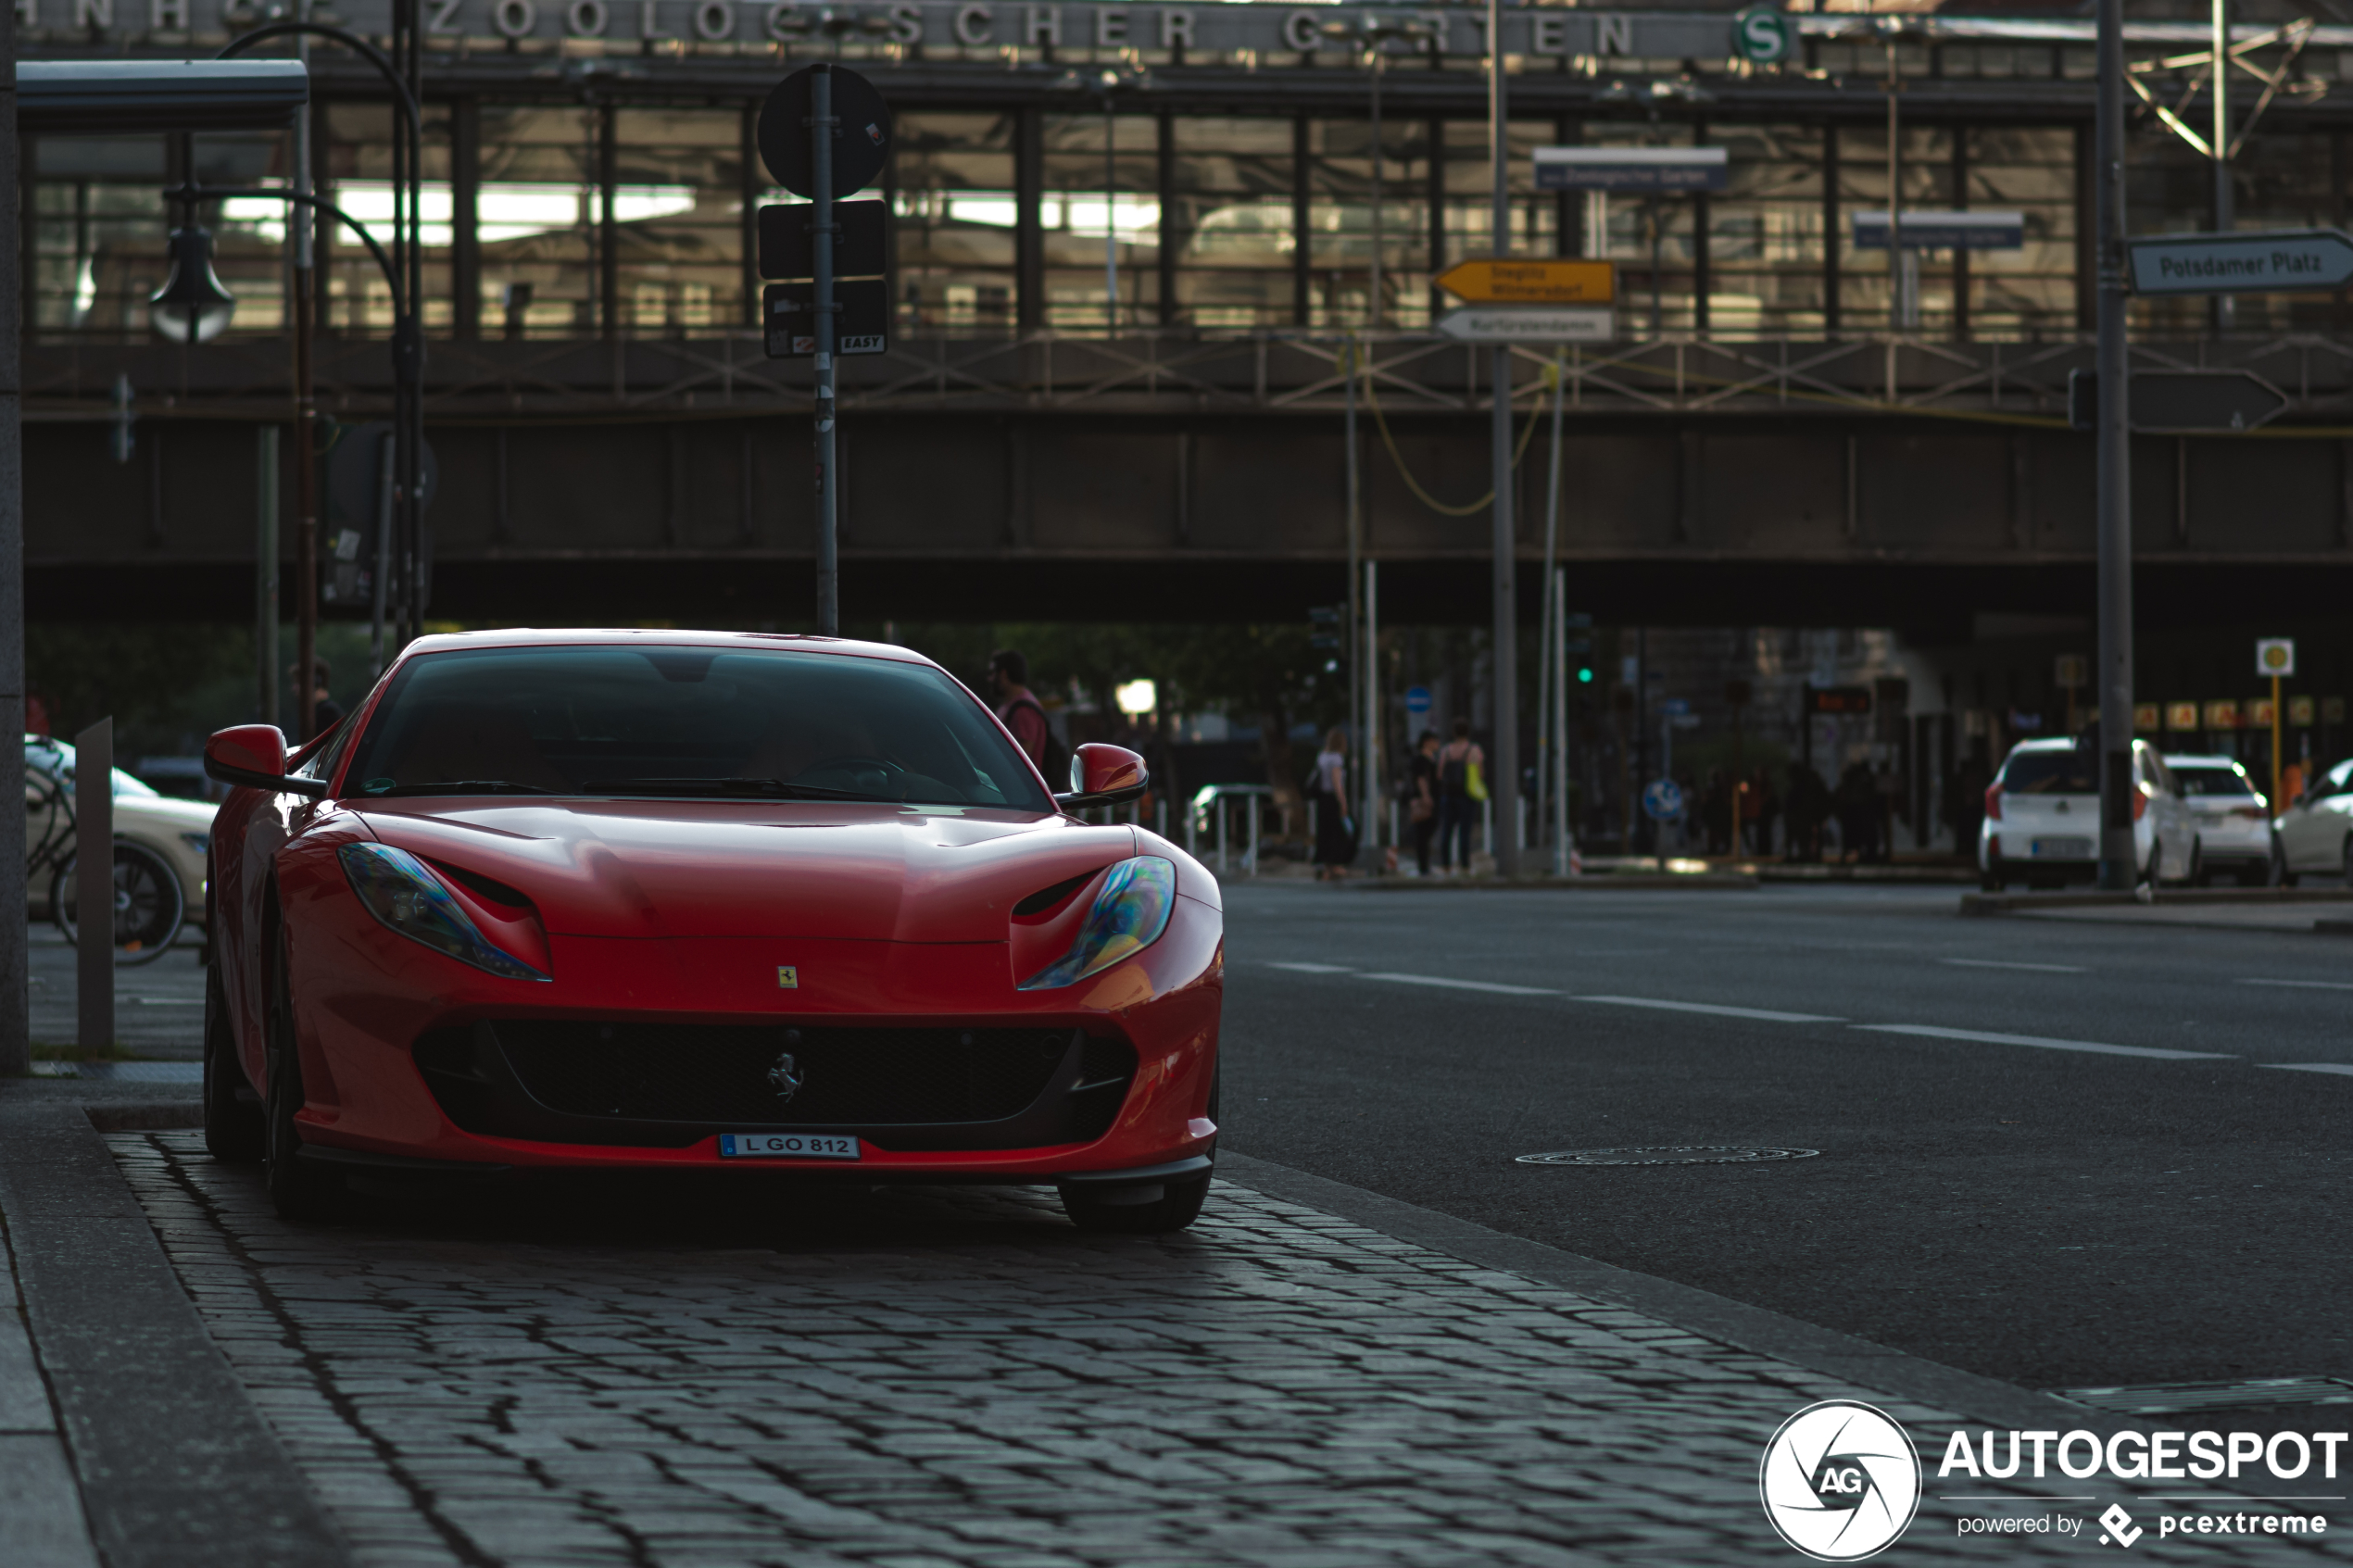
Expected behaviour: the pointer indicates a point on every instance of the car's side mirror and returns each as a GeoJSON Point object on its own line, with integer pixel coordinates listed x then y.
{"type": "Point", "coordinates": [1102, 775]}
{"type": "Point", "coordinates": [254, 755]}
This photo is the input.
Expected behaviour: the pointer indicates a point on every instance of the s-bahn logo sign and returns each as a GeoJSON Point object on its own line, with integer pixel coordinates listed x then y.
{"type": "Point", "coordinates": [1266, 31]}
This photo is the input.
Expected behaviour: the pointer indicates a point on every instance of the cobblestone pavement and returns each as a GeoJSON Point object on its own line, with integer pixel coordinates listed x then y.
{"type": "Point", "coordinates": [959, 1379]}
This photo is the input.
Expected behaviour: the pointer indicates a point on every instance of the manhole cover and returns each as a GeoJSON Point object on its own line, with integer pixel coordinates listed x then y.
{"type": "Point", "coordinates": [1680, 1154]}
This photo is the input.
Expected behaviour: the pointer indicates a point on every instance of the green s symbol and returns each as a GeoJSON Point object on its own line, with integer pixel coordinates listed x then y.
{"type": "Point", "coordinates": [1762, 34]}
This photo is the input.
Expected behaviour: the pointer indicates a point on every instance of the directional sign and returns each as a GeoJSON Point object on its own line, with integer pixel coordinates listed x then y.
{"type": "Point", "coordinates": [2276, 261]}
{"type": "Point", "coordinates": [861, 142]}
{"type": "Point", "coordinates": [1631, 169]}
{"type": "Point", "coordinates": [1488, 281]}
{"type": "Point", "coordinates": [1530, 324]}
{"type": "Point", "coordinates": [863, 327]}
{"type": "Point", "coordinates": [1662, 800]}
{"type": "Point", "coordinates": [2181, 402]}
{"type": "Point", "coordinates": [785, 250]}
{"type": "Point", "coordinates": [2275, 656]}
{"type": "Point", "coordinates": [1944, 231]}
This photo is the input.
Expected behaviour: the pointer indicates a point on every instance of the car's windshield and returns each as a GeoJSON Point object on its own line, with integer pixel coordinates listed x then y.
{"type": "Point", "coordinates": [2050, 772]}
{"type": "Point", "coordinates": [685, 723]}
{"type": "Point", "coordinates": [2208, 780]}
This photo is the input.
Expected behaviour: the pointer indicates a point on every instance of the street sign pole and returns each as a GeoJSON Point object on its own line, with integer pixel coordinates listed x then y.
{"type": "Point", "coordinates": [821, 244]}
{"type": "Point", "coordinates": [2119, 862]}
{"type": "Point", "coordinates": [1504, 839]}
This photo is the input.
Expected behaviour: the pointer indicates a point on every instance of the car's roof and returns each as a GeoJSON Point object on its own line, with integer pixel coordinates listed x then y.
{"type": "Point", "coordinates": [2202, 760]}
{"type": "Point", "coordinates": [2062, 743]}
{"type": "Point", "coordinates": [663, 636]}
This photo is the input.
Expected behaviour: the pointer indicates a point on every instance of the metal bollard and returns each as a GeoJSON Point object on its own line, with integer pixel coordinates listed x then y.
{"type": "Point", "coordinates": [1251, 867]}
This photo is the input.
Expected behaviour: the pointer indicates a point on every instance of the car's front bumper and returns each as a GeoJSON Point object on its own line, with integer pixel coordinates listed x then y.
{"type": "Point", "coordinates": [366, 1000]}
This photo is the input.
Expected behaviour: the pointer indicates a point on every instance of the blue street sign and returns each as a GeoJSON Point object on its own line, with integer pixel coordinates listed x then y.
{"type": "Point", "coordinates": [1944, 231]}
{"type": "Point", "coordinates": [1662, 800]}
{"type": "Point", "coordinates": [1637, 169]}
{"type": "Point", "coordinates": [1416, 700]}
{"type": "Point", "coordinates": [1674, 707]}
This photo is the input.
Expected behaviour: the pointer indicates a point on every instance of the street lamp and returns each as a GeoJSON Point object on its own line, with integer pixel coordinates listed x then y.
{"type": "Point", "coordinates": [1372, 36]}
{"type": "Point", "coordinates": [192, 307]}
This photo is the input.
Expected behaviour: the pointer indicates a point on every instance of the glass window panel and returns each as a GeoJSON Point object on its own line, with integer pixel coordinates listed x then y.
{"type": "Point", "coordinates": [1232, 221]}
{"type": "Point", "coordinates": [537, 213]}
{"type": "Point", "coordinates": [1099, 217]}
{"type": "Point", "coordinates": [2030, 169]}
{"type": "Point", "coordinates": [1341, 221]}
{"type": "Point", "coordinates": [1765, 233]}
{"type": "Point", "coordinates": [956, 215]}
{"type": "Point", "coordinates": [354, 167]}
{"type": "Point", "coordinates": [678, 210]}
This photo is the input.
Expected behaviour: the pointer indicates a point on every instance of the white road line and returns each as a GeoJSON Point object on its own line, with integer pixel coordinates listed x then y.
{"type": "Point", "coordinates": [1314, 968]}
{"type": "Point", "coordinates": [2006, 963]}
{"type": "Point", "coordinates": [1939, 1032]}
{"type": "Point", "coordinates": [1710, 1007]}
{"type": "Point", "coordinates": [2305, 985]}
{"type": "Point", "coordinates": [1466, 985]}
{"type": "Point", "coordinates": [2344, 1067]}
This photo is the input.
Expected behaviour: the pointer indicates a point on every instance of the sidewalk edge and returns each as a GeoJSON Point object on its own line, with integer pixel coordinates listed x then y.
{"type": "Point", "coordinates": [1767, 1333]}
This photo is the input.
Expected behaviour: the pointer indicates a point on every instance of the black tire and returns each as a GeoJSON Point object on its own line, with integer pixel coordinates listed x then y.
{"type": "Point", "coordinates": [1991, 880]}
{"type": "Point", "coordinates": [2197, 877]}
{"type": "Point", "coordinates": [233, 1132]}
{"type": "Point", "coordinates": [2274, 872]}
{"type": "Point", "coordinates": [1096, 1209]}
{"type": "Point", "coordinates": [148, 905]}
{"type": "Point", "coordinates": [299, 1188]}
{"type": "Point", "coordinates": [2154, 873]}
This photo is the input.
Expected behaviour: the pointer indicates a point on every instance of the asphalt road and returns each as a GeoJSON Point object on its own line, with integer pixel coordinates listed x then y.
{"type": "Point", "coordinates": [2173, 1207]}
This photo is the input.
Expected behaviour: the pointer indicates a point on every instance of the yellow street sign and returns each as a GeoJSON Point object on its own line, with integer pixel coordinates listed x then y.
{"type": "Point", "coordinates": [1516, 281]}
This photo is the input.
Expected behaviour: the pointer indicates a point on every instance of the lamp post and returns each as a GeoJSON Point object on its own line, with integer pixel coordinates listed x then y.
{"type": "Point", "coordinates": [405, 271]}
{"type": "Point", "coordinates": [1504, 839]}
{"type": "Point", "coordinates": [192, 307]}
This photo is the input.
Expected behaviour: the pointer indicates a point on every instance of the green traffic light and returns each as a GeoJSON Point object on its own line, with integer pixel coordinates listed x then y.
{"type": "Point", "coordinates": [1584, 677]}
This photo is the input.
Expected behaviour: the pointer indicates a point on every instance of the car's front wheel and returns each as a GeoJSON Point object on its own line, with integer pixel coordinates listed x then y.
{"type": "Point", "coordinates": [299, 1189]}
{"type": "Point", "coordinates": [1130, 1212]}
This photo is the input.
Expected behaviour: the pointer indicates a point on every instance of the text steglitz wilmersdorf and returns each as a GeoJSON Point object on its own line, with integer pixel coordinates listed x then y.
{"type": "Point", "coordinates": [2144, 1456]}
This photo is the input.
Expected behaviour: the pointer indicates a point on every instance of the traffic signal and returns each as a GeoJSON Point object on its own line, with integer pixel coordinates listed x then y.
{"type": "Point", "coordinates": [1584, 674]}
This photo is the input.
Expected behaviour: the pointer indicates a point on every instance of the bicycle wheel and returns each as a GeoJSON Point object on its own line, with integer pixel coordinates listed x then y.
{"type": "Point", "coordinates": [147, 905]}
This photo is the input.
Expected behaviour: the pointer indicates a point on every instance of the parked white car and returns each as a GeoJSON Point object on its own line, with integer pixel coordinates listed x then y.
{"type": "Point", "coordinates": [2043, 817]}
{"type": "Point", "coordinates": [2234, 831]}
{"type": "Point", "coordinates": [179, 833]}
{"type": "Point", "coordinates": [2316, 833]}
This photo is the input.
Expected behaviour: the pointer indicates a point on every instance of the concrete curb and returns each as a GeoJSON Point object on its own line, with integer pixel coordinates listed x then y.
{"type": "Point", "coordinates": [176, 1468]}
{"type": "Point", "coordinates": [1987, 1399]}
{"type": "Point", "coordinates": [2018, 903]}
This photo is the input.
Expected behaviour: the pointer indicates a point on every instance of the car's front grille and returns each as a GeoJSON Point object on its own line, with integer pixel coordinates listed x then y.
{"type": "Point", "coordinates": [668, 1085]}
{"type": "Point", "coordinates": [669, 1072]}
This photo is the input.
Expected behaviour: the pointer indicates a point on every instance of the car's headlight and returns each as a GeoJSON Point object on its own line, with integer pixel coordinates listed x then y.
{"type": "Point", "coordinates": [402, 891]}
{"type": "Point", "coordinates": [1129, 916]}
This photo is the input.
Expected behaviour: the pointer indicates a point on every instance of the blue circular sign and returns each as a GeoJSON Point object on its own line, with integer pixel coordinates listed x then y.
{"type": "Point", "coordinates": [1662, 800]}
{"type": "Point", "coordinates": [1418, 701]}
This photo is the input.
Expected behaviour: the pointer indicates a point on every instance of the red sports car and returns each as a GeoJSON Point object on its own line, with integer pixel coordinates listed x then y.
{"type": "Point", "coordinates": [683, 900]}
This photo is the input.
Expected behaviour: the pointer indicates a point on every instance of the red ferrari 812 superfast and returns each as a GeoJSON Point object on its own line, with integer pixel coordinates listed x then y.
{"type": "Point", "coordinates": [661, 901]}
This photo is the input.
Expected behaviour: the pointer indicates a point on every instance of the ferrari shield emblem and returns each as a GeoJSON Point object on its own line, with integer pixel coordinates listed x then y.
{"type": "Point", "coordinates": [787, 977]}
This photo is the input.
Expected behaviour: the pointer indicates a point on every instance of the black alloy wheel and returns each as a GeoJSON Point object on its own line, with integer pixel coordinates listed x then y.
{"type": "Point", "coordinates": [233, 1132]}
{"type": "Point", "coordinates": [146, 903]}
{"type": "Point", "coordinates": [1115, 1211]}
{"type": "Point", "coordinates": [301, 1189]}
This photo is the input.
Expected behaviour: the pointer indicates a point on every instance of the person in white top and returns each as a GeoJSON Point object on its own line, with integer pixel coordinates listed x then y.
{"type": "Point", "coordinates": [1335, 835]}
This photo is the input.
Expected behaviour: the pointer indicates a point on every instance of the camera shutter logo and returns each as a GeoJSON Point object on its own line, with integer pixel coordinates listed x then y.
{"type": "Point", "coordinates": [1839, 1481]}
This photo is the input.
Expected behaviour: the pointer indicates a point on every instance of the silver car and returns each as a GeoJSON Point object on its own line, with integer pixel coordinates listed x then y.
{"type": "Point", "coordinates": [2234, 832]}
{"type": "Point", "coordinates": [2043, 817]}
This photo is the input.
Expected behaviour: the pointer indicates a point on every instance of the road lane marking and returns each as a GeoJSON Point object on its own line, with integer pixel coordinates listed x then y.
{"type": "Point", "coordinates": [2008, 963]}
{"type": "Point", "coordinates": [1466, 985]}
{"type": "Point", "coordinates": [2305, 985]}
{"type": "Point", "coordinates": [1711, 1007]}
{"type": "Point", "coordinates": [1314, 968]}
{"type": "Point", "coordinates": [2344, 1067]}
{"type": "Point", "coordinates": [1939, 1033]}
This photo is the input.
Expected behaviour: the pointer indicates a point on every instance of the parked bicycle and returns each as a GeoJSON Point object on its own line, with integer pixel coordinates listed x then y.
{"type": "Point", "coordinates": [148, 903]}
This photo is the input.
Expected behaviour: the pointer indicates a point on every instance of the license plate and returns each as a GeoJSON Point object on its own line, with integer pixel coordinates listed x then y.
{"type": "Point", "coordinates": [786, 1145]}
{"type": "Point", "coordinates": [2063, 849]}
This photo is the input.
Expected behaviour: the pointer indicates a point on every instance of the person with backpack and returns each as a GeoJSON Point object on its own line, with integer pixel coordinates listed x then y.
{"type": "Point", "coordinates": [1025, 717]}
{"type": "Point", "coordinates": [1460, 790]}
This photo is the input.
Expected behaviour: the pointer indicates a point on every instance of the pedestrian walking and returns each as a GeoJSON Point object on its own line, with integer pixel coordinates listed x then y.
{"type": "Point", "coordinates": [1858, 806]}
{"type": "Point", "coordinates": [1025, 717]}
{"type": "Point", "coordinates": [1335, 835]}
{"type": "Point", "coordinates": [1460, 789]}
{"type": "Point", "coordinates": [325, 711]}
{"type": "Point", "coordinates": [1421, 798]}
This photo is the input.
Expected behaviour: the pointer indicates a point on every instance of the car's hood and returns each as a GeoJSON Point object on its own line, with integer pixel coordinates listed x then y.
{"type": "Point", "coordinates": [654, 869]}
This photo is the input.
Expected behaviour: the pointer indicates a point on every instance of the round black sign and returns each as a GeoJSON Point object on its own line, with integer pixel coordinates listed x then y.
{"type": "Point", "coordinates": [861, 142]}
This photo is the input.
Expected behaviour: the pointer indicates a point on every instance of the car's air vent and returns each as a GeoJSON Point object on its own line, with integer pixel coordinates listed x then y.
{"type": "Point", "coordinates": [1046, 898]}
